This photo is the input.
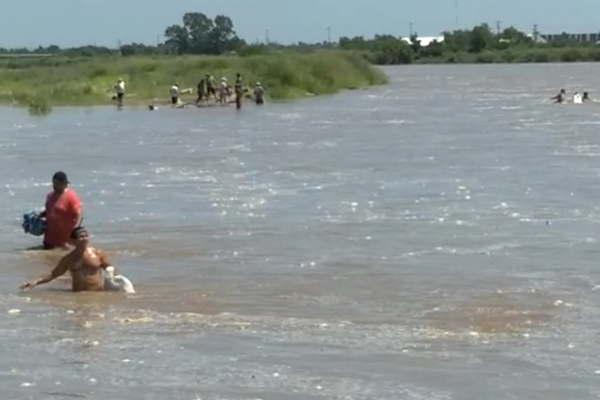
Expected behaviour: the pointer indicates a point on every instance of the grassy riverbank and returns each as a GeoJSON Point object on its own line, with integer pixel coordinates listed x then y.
{"type": "Point", "coordinates": [40, 83]}
{"type": "Point", "coordinates": [516, 55]}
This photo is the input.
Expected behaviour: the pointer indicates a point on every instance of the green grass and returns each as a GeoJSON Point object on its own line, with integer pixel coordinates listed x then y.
{"type": "Point", "coordinates": [40, 83]}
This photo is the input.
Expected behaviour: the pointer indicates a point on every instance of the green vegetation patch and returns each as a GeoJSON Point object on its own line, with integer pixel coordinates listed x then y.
{"type": "Point", "coordinates": [53, 81]}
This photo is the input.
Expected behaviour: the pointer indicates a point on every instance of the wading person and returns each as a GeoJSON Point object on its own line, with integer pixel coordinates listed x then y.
{"type": "Point", "coordinates": [560, 97]}
{"type": "Point", "coordinates": [63, 212]}
{"type": "Point", "coordinates": [201, 91]}
{"type": "Point", "coordinates": [223, 91]}
{"type": "Point", "coordinates": [210, 87]}
{"type": "Point", "coordinates": [120, 89]}
{"type": "Point", "coordinates": [174, 92]}
{"type": "Point", "coordinates": [239, 91]}
{"type": "Point", "coordinates": [259, 94]}
{"type": "Point", "coordinates": [586, 97]}
{"type": "Point", "coordinates": [89, 267]}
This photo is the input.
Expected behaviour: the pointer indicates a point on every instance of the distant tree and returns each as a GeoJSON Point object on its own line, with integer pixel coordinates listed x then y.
{"type": "Point", "coordinates": [434, 49]}
{"type": "Point", "coordinates": [415, 43]}
{"type": "Point", "coordinates": [198, 27]}
{"type": "Point", "coordinates": [221, 35]}
{"type": "Point", "coordinates": [138, 49]}
{"type": "Point", "coordinates": [178, 39]}
{"type": "Point", "coordinates": [481, 38]}
{"type": "Point", "coordinates": [515, 37]}
{"type": "Point", "coordinates": [201, 35]}
{"type": "Point", "coordinates": [356, 43]}
{"type": "Point", "coordinates": [457, 40]}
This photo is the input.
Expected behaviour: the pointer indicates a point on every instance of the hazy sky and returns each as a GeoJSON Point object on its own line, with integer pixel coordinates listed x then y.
{"type": "Point", "coordinates": [106, 22]}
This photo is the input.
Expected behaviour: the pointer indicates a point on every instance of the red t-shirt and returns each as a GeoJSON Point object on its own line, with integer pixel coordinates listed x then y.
{"type": "Point", "coordinates": [62, 211]}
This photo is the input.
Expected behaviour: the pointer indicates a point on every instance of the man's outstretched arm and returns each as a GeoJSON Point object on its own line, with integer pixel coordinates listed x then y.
{"type": "Point", "coordinates": [60, 269]}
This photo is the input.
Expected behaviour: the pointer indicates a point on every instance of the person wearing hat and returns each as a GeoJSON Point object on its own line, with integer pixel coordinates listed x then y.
{"type": "Point", "coordinates": [89, 267]}
{"type": "Point", "coordinates": [259, 94]}
{"type": "Point", "coordinates": [63, 212]}
{"type": "Point", "coordinates": [223, 91]}
{"type": "Point", "coordinates": [174, 92]}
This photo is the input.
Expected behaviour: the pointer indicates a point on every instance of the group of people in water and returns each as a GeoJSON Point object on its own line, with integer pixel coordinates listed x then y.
{"type": "Point", "coordinates": [207, 89]}
{"type": "Point", "coordinates": [60, 223]}
{"type": "Point", "coordinates": [577, 98]}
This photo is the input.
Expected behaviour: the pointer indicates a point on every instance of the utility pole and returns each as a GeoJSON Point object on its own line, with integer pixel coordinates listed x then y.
{"type": "Point", "coordinates": [267, 39]}
{"type": "Point", "coordinates": [410, 29]}
{"type": "Point", "coordinates": [329, 35]}
{"type": "Point", "coordinates": [536, 33]}
{"type": "Point", "coordinates": [456, 14]}
{"type": "Point", "coordinates": [498, 22]}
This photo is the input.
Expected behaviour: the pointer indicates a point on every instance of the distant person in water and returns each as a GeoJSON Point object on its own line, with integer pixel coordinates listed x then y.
{"type": "Point", "coordinates": [586, 97]}
{"type": "Point", "coordinates": [120, 89]}
{"type": "Point", "coordinates": [174, 92]}
{"type": "Point", "coordinates": [202, 93]}
{"type": "Point", "coordinates": [63, 212]}
{"type": "Point", "coordinates": [577, 98]}
{"type": "Point", "coordinates": [210, 87]}
{"type": "Point", "coordinates": [259, 94]}
{"type": "Point", "coordinates": [224, 91]}
{"type": "Point", "coordinates": [560, 97]}
{"type": "Point", "coordinates": [89, 267]}
{"type": "Point", "coordinates": [239, 91]}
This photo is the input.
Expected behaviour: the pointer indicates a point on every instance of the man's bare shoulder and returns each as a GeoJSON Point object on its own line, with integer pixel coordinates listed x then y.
{"type": "Point", "coordinates": [70, 257]}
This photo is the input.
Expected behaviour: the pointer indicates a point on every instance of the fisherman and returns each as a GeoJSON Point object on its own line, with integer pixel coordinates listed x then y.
{"type": "Point", "coordinates": [202, 92]}
{"type": "Point", "coordinates": [89, 267]}
{"type": "Point", "coordinates": [560, 97]}
{"type": "Point", "coordinates": [210, 87]}
{"type": "Point", "coordinates": [223, 91]}
{"type": "Point", "coordinates": [120, 89]}
{"type": "Point", "coordinates": [239, 91]}
{"type": "Point", "coordinates": [259, 94]}
{"type": "Point", "coordinates": [174, 91]}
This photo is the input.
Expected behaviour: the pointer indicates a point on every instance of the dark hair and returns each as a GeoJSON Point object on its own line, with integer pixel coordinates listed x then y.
{"type": "Point", "coordinates": [60, 177]}
{"type": "Point", "coordinates": [77, 231]}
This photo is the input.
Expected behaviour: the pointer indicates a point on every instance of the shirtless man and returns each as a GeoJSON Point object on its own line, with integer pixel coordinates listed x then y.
{"type": "Point", "coordinates": [89, 267]}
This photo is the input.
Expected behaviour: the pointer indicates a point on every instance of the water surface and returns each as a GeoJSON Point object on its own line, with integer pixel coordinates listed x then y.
{"type": "Point", "coordinates": [434, 238]}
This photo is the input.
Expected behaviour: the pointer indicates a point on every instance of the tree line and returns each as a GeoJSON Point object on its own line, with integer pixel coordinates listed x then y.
{"type": "Point", "coordinates": [199, 34]}
{"type": "Point", "coordinates": [479, 44]}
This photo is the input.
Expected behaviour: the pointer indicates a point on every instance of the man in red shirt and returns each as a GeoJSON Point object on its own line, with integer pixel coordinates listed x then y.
{"type": "Point", "coordinates": [62, 213]}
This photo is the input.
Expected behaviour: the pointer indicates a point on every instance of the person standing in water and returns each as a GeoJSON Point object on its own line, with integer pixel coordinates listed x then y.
{"type": "Point", "coordinates": [202, 93]}
{"type": "Point", "coordinates": [174, 92]}
{"type": "Point", "coordinates": [239, 91]}
{"type": "Point", "coordinates": [63, 212]}
{"type": "Point", "coordinates": [210, 87]}
{"type": "Point", "coordinates": [259, 94]}
{"type": "Point", "coordinates": [89, 267]}
{"type": "Point", "coordinates": [120, 89]}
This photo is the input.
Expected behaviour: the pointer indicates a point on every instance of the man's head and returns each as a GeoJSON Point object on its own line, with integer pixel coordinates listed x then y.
{"type": "Point", "coordinates": [60, 181]}
{"type": "Point", "coordinates": [80, 236]}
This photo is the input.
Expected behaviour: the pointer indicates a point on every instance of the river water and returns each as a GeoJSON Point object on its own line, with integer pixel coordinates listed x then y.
{"type": "Point", "coordinates": [434, 238]}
